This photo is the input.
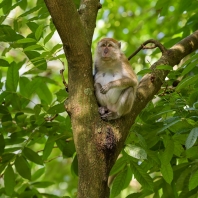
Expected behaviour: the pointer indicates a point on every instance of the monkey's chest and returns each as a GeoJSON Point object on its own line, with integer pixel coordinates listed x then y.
{"type": "Point", "coordinates": [105, 78]}
{"type": "Point", "coordinates": [114, 93]}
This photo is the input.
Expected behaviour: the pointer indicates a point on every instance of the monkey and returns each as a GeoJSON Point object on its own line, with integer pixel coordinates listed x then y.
{"type": "Point", "coordinates": [115, 82]}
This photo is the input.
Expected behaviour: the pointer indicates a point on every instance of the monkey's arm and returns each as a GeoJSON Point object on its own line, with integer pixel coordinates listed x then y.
{"type": "Point", "coordinates": [120, 83]}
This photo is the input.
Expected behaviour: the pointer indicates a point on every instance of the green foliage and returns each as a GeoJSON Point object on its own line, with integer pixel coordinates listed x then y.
{"type": "Point", "coordinates": [37, 152]}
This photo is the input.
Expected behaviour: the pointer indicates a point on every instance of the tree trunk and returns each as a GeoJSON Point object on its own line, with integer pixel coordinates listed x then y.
{"type": "Point", "coordinates": [98, 143]}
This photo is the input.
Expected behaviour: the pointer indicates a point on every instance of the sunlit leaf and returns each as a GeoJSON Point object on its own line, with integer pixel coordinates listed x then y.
{"type": "Point", "coordinates": [142, 177]}
{"type": "Point", "coordinates": [32, 47]}
{"type": "Point", "coordinates": [48, 37]}
{"type": "Point", "coordinates": [135, 151]}
{"type": "Point", "coordinates": [192, 137]}
{"type": "Point", "coordinates": [39, 32]}
{"type": "Point", "coordinates": [26, 40]}
{"type": "Point", "coordinates": [167, 172]}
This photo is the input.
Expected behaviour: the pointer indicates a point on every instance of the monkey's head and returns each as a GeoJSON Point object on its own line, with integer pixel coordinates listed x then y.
{"type": "Point", "coordinates": [108, 49]}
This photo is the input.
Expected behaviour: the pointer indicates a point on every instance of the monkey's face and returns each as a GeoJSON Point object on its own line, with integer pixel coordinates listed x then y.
{"type": "Point", "coordinates": [108, 49]}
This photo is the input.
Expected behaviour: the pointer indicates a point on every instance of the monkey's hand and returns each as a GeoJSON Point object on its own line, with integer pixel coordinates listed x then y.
{"type": "Point", "coordinates": [104, 89]}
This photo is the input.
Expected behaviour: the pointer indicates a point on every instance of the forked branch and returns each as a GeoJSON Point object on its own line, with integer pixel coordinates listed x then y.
{"type": "Point", "coordinates": [143, 46]}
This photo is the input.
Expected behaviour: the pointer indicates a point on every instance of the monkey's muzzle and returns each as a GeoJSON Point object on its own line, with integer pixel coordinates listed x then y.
{"type": "Point", "coordinates": [106, 50]}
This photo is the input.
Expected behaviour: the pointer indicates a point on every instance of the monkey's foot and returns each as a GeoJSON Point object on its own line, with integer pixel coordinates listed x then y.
{"type": "Point", "coordinates": [103, 110]}
{"type": "Point", "coordinates": [110, 116]}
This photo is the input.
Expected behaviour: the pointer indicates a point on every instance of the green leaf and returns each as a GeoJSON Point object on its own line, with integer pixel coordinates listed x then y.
{"type": "Point", "coordinates": [36, 59]}
{"type": "Point", "coordinates": [164, 67]}
{"type": "Point", "coordinates": [7, 34]}
{"type": "Point", "coordinates": [67, 148]}
{"type": "Point", "coordinates": [48, 148]}
{"type": "Point", "coordinates": [189, 67]}
{"type": "Point", "coordinates": [144, 71]}
{"type": "Point", "coordinates": [4, 63]}
{"type": "Point", "coordinates": [74, 165]}
{"type": "Point", "coordinates": [30, 11]}
{"type": "Point", "coordinates": [119, 165]}
{"type": "Point", "coordinates": [135, 151]}
{"type": "Point", "coordinates": [33, 85]}
{"type": "Point", "coordinates": [168, 153]}
{"type": "Point", "coordinates": [2, 144]}
{"type": "Point", "coordinates": [193, 181]}
{"type": "Point", "coordinates": [49, 36]}
{"type": "Point", "coordinates": [142, 141]}
{"type": "Point", "coordinates": [192, 137]}
{"type": "Point", "coordinates": [6, 5]}
{"type": "Point", "coordinates": [12, 77]}
{"type": "Point", "coordinates": [61, 95]}
{"type": "Point", "coordinates": [32, 156]}
{"type": "Point", "coordinates": [38, 174]}
{"type": "Point", "coordinates": [186, 82]}
{"type": "Point", "coordinates": [44, 93]}
{"type": "Point", "coordinates": [59, 108]}
{"type": "Point", "coordinates": [39, 32]}
{"type": "Point", "coordinates": [32, 47]}
{"type": "Point", "coordinates": [162, 129]}
{"type": "Point", "coordinates": [4, 110]}
{"type": "Point", "coordinates": [167, 172]}
{"type": "Point", "coordinates": [121, 181]}
{"type": "Point", "coordinates": [43, 184]}
{"type": "Point", "coordinates": [56, 48]}
{"type": "Point", "coordinates": [7, 157]}
{"type": "Point", "coordinates": [9, 180]}
{"type": "Point", "coordinates": [142, 177]}
{"type": "Point", "coordinates": [27, 40]}
{"type": "Point", "coordinates": [23, 167]}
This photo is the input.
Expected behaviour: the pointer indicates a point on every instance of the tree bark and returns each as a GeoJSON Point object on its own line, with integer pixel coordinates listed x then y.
{"type": "Point", "coordinates": [98, 143]}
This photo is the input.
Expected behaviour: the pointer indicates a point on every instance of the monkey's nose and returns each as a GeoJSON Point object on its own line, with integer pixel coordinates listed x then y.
{"type": "Point", "coordinates": [106, 50]}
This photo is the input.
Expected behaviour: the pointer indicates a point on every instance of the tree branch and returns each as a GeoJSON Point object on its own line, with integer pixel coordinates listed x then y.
{"type": "Point", "coordinates": [143, 46]}
{"type": "Point", "coordinates": [88, 12]}
{"type": "Point", "coordinates": [151, 83]}
{"type": "Point", "coordinates": [98, 143]}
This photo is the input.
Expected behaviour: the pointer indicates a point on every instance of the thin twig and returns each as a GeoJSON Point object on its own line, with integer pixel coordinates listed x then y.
{"type": "Point", "coordinates": [49, 119]}
{"type": "Point", "coordinates": [63, 78]}
{"type": "Point", "coordinates": [143, 46]}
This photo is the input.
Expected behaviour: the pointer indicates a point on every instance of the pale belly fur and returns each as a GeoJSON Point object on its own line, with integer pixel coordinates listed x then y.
{"type": "Point", "coordinates": [113, 94]}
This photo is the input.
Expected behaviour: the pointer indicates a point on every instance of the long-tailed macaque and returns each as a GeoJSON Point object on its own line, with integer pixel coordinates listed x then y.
{"type": "Point", "coordinates": [115, 81]}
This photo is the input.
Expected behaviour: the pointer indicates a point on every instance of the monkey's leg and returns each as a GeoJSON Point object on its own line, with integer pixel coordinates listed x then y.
{"type": "Point", "coordinates": [122, 106]}
{"type": "Point", "coordinates": [125, 102]}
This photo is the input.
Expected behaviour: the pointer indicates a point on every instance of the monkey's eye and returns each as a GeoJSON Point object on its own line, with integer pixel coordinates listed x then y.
{"type": "Point", "coordinates": [110, 45]}
{"type": "Point", "coordinates": [103, 45]}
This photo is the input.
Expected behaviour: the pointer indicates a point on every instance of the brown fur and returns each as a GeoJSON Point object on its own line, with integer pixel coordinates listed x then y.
{"type": "Point", "coordinates": [115, 81]}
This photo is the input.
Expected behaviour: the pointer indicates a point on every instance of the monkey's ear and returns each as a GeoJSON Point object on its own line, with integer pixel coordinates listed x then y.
{"type": "Point", "coordinates": [119, 44]}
